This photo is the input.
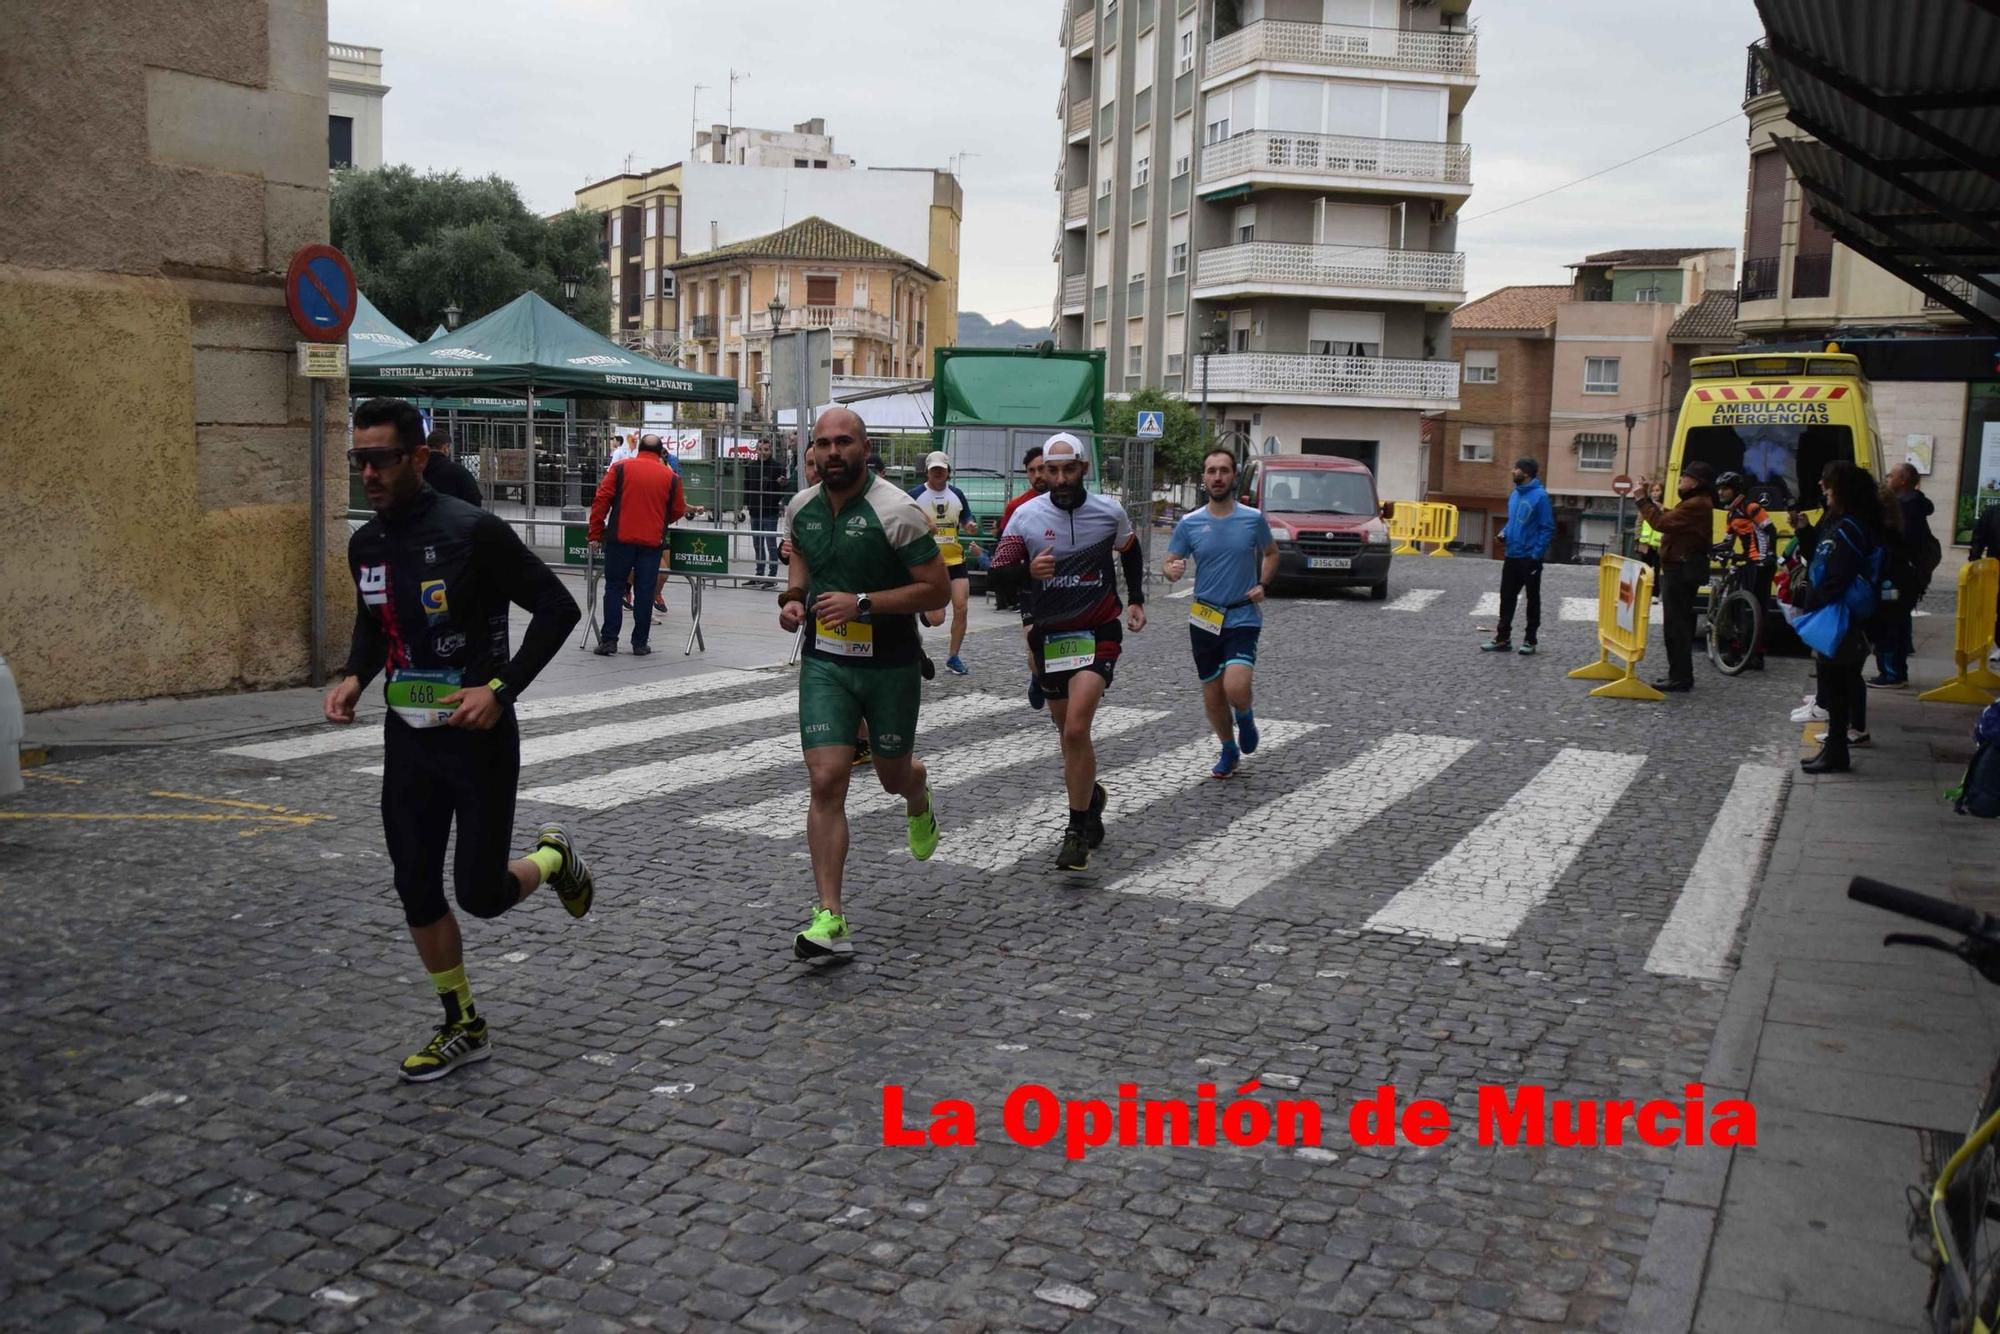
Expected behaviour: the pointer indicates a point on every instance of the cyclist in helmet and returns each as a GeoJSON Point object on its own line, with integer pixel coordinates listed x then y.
{"type": "Point", "coordinates": [1749, 523]}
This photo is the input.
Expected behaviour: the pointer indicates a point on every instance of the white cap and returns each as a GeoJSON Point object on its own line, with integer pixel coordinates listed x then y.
{"type": "Point", "coordinates": [938, 459]}
{"type": "Point", "coordinates": [1061, 447]}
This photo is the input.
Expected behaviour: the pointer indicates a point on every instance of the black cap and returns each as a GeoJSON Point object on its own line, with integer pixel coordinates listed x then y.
{"type": "Point", "coordinates": [1703, 473]}
{"type": "Point", "coordinates": [1528, 466]}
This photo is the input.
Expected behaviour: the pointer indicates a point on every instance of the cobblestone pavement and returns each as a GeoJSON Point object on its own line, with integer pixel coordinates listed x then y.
{"type": "Point", "coordinates": [200, 1125]}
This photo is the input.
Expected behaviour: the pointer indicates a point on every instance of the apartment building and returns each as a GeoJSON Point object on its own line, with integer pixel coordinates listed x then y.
{"type": "Point", "coordinates": [354, 94]}
{"type": "Point", "coordinates": [874, 300]}
{"type": "Point", "coordinates": [1936, 388]}
{"type": "Point", "coordinates": [1258, 203]}
{"type": "Point", "coordinates": [742, 183]}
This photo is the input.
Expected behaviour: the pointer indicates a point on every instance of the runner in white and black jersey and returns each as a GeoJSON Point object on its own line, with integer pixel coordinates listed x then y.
{"type": "Point", "coordinates": [1067, 543]}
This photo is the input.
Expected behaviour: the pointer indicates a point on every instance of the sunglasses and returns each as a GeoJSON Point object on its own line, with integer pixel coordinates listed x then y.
{"type": "Point", "coordinates": [377, 459]}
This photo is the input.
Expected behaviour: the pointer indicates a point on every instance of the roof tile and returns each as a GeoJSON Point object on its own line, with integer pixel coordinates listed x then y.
{"type": "Point", "coordinates": [1511, 308]}
{"type": "Point", "coordinates": [1710, 320]}
{"type": "Point", "coordinates": [812, 238]}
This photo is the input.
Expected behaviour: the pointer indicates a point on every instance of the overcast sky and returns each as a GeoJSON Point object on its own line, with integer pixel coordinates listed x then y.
{"type": "Point", "coordinates": [554, 96]}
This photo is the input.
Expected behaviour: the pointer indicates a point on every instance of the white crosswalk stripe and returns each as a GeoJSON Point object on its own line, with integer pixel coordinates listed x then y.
{"type": "Point", "coordinates": [784, 816]}
{"type": "Point", "coordinates": [1696, 939]}
{"type": "Point", "coordinates": [1417, 599]}
{"type": "Point", "coordinates": [621, 787]}
{"type": "Point", "coordinates": [1482, 890]}
{"type": "Point", "coordinates": [367, 735]}
{"type": "Point", "coordinates": [1287, 834]}
{"type": "Point", "coordinates": [781, 706]}
{"type": "Point", "coordinates": [999, 841]}
{"type": "Point", "coordinates": [1488, 605]}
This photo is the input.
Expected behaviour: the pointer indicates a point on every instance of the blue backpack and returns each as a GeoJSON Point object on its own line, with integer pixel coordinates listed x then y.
{"type": "Point", "coordinates": [1979, 793]}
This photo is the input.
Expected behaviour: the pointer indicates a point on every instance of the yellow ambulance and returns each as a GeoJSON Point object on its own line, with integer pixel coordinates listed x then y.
{"type": "Point", "coordinates": [1778, 418]}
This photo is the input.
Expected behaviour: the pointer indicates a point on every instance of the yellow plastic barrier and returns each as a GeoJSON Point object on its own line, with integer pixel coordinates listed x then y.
{"type": "Point", "coordinates": [1624, 609]}
{"type": "Point", "coordinates": [1406, 525]}
{"type": "Point", "coordinates": [1443, 526]}
{"type": "Point", "coordinates": [1972, 637]}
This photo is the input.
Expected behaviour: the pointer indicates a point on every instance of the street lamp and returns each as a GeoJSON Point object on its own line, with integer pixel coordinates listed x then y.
{"type": "Point", "coordinates": [777, 309]}
{"type": "Point", "coordinates": [451, 314]}
{"type": "Point", "coordinates": [1631, 420]}
{"type": "Point", "coordinates": [570, 282]}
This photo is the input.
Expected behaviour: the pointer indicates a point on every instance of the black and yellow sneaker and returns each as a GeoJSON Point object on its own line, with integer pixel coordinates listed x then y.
{"type": "Point", "coordinates": [572, 882]}
{"type": "Point", "coordinates": [451, 1046]}
{"type": "Point", "coordinates": [1074, 855]}
{"type": "Point", "coordinates": [863, 753]}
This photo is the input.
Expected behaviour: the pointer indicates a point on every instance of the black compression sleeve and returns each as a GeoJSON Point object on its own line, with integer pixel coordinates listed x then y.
{"type": "Point", "coordinates": [1133, 559]}
{"type": "Point", "coordinates": [533, 586]}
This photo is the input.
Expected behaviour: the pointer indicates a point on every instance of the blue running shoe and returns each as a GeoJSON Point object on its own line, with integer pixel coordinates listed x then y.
{"type": "Point", "coordinates": [1246, 734]}
{"type": "Point", "coordinates": [1226, 766]}
{"type": "Point", "coordinates": [954, 666]}
{"type": "Point", "coordinates": [1035, 697]}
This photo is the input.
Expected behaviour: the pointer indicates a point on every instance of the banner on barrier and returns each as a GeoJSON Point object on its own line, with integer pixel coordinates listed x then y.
{"type": "Point", "coordinates": [1629, 573]}
{"type": "Point", "coordinates": [576, 543]}
{"type": "Point", "coordinates": [696, 552]}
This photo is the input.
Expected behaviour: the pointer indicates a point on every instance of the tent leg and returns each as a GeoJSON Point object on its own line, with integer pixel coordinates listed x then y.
{"type": "Point", "coordinates": [694, 613]}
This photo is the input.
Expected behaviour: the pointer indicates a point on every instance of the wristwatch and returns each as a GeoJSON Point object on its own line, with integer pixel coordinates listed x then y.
{"type": "Point", "coordinates": [863, 606]}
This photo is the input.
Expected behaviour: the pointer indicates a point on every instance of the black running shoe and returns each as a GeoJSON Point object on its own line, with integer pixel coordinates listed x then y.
{"type": "Point", "coordinates": [451, 1046]}
{"type": "Point", "coordinates": [1074, 855]}
{"type": "Point", "coordinates": [571, 882]}
{"type": "Point", "coordinates": [1098, 798]}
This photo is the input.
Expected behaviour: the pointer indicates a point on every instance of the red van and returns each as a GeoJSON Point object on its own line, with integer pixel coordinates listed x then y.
{"type": "Point", "coordinates": [1324, 512]}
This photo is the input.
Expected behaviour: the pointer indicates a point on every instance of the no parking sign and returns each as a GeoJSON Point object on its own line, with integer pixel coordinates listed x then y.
{"type": "Point", "coordinates": [321, 293]}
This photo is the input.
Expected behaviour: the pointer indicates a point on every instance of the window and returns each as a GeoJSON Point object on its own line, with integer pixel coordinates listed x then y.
{"type": "Point", "coordinates": [1482, 367]}
{"type": "Point", "coordinates": [1596, 453]}
{"type": "Point", "coordinates": [1175, 362]}
{"type": "Point", "coordinates": [652, 222]}
{"type": "Point", "coordinates": [614, 288]}
{"type": "Point", "coordinates": [1177, 258]}
{"type": "Point", "coordinates": [1142, 171]}
{"type": "Point", "coordinates": [1475, 444]}
{"type": "Point", "coordinates": [1110, 13]}
{"type": "Point", "coordinates": [1646, 294]}
{"type": "Point", "coordinates": [652, 280]}
{"type": "Point", "coordinates": [617, 230]}
{"type": "Point", "coordinates": [1187, 53]}
{"type": "Point", "coordinates": [1344, 333]}
{"type": "Point", "coordinates": [1245, 223]}
{"type": "Point", "coordinates": [670, 218]}
{"type": "Point", "coordinates": [667, 284]}
{"type": "Point", "coordinates": [1104, 188]}
{"type": "Point", "coordinates": [1182, 164]}
{"type": "Point", "coordinates": [798, 162]}
{"type": "Point", "coordinates": [819, 164]}
{"type": "Point", "coordinates": [339, 141]}
{"type": "Point", "coordinates": [822, 289]}
{"type": "Point", "coordinates": [840, 365]}
{"type": "Point", "coordinates": [1135, 359]}
{"type": "Point", "coordinates": [1600, 375]}
{"type": "Point", "coordinates": [1239, 339]}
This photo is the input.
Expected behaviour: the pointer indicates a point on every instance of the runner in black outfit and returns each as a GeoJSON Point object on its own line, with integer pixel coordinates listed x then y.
{"type": "Point", "coordinates": [434, 576]}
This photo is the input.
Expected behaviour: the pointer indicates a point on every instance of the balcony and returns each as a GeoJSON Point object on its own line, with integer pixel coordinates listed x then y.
{"type": "Point", "coordinates": [1323, 161]}
{"type": "Point", "coordinates": [1276, 268]}
{"type": "Point", "coordinates": [1076, 122]}
{"type": "Point", "coordinates": [704, 326]}
{"type": "Point", "coordinates": [846, 320]}
{"type": "Point", "coordinates": [1073, 294]}
{"type": "Point", "coordinates": [1952, 283]}
{"type": "Point", "coordinates": [1758, 80]}
{"type": "Point", "coordinates": [1759, 281]}
{"type": "Point", "coordinates": [1082, 32]}
{"type": "Point", "coordinates": [1316, 47]}
{"type": "Point", "coordinates": [1383, 382]}
{"type": "Point", "coordinates": [1076, 206]}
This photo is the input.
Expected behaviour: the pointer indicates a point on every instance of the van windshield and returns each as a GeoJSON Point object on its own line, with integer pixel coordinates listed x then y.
{"type": "Point", "coordinates": [1299, 491]}
{"type": "Point", "coordinates": [1781, 462]}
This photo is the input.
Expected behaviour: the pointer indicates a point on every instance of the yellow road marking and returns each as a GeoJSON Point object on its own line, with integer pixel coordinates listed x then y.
{"type": "Point", "coordinates": [51, 778]}
{"type": "Point", "coordinates": [237, 805]}
{"type": "Point", "coordinates": [203, 817]}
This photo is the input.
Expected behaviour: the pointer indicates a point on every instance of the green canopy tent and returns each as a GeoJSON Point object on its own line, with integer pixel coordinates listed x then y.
{"type": "Point", "coordinates": [439, 332]}
{"type": "Point", "coordinates": [371, 333]}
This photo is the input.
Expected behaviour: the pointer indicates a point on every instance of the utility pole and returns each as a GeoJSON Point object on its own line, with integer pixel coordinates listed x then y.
{"type": "Point", "coordinates": [1624, 546]}
{"type": "Point", "coordinates": [694, 116]}
{"type": "Point", "coordinates": [733, 77]}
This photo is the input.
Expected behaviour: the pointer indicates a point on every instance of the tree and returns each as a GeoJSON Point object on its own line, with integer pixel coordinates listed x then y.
{"type": "Point", "coordinates": [419, 243]}
{"type": "Point", "coordinates": [1177, 453]}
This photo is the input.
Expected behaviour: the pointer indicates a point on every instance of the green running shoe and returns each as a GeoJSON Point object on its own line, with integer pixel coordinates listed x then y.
{"type": "Point", "coordinates": [572, 883]}
{"type": "Point", "coordinates": [824, 940]}
{"type": "Point", "coordinates": [1074, 855]}
{"type": "Point", "coordinates": [924, 829]}
{"type": "Point", "coordinates": [451, 1046]}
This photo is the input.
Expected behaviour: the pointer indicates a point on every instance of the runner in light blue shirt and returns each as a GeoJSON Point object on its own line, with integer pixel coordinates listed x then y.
{"type": "Point", "coordinates": [1234, 556]}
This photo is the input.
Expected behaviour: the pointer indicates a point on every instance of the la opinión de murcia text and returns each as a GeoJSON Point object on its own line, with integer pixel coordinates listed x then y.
{"type": "Point", "coordinates": [1036, 1117]}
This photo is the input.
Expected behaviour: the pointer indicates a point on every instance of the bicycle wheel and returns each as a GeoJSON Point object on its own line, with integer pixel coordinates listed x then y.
{"type": "Point", "coordinates": [1732, 631]}
{"type": "Point", "coordinates": [1971, 1197]}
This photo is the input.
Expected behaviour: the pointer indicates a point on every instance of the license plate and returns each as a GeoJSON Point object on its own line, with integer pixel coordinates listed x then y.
{"type": "Point", "coordinates": [1329, 562]}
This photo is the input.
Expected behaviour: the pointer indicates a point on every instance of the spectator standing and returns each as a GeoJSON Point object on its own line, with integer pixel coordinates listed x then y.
{"type": "Point", "coordinates": [1913, 557]}
{"type": "Point", "coordinates": [1531, 525]}
{"type": "Point", "coordinates": [445, 475]}
{"type": "Point", "coordinates": [638, 500]}
{"type": "Point", "coordinates": [1687, 532]}
{"type": "Point", "coordinates": [769, 489]}
{"type": "Point", "coordinates": [1850, 531]}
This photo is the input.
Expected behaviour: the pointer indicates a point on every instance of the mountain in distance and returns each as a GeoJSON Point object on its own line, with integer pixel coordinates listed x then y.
{"type": "Point", "coordinates": [975, 330]}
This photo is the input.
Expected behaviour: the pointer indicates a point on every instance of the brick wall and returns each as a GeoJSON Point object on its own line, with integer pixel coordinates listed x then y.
{"type": "Point", "coordinates": [1516, 408]}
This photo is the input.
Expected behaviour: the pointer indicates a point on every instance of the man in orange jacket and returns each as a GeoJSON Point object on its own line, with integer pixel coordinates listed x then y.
{"type": "Point", "coordinates": [638, 500]}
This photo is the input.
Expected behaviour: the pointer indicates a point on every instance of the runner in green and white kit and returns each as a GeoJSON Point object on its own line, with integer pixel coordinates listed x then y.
{"type": "Point", "coordinates": [864, 564]}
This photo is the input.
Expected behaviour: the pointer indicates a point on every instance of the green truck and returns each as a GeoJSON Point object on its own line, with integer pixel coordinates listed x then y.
{"type": "Point", "coordinates": [990, 404]}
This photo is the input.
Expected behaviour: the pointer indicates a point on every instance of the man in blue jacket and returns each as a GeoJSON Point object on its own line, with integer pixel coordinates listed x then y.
{"type": "Point", "coordinates": [1531, 523]}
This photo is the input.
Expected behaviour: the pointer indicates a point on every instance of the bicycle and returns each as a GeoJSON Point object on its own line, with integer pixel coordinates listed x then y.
{"type": "Point", "coordinates": [1735, 615]}
{"type": "Point", "coordinates": [1962, 1203]}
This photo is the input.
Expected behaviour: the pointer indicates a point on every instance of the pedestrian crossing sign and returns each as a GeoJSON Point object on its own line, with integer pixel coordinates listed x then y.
{"type": "Point", "coordinates": [1152, 425]}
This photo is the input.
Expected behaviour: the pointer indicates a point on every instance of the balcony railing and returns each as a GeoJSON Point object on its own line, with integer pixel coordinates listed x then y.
{"type": "Point", "coordinates": [1255, 152]}
{"type": "Point", "coordinates": [704, 326]}
{"type": "Point", "coordinates": [1268, 264]}
{"type": "Point", "coordinates": [1952, 283]}
{"type": "Point", "coordinates": [1078, 120]}
{"type": "Point", "coordinates": [1339, 45]}
{"type": "Point", "coordinates": [1073, 293]}
{"type": "Point", "coordinates": [1757, 76]}
{"type": "Point", "coordinates": [840, 319]}
{"type": "Point", "coordinates": [1812, 275]}
{"type": "Point", "coordinates": [1760, 279]}
{"type": "Point", "coordinates": [1082, 29]}
{"type": "Point", "coordinates": [1076, 205]}
{"type": "Point", "coordinates": [1260, 373]}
